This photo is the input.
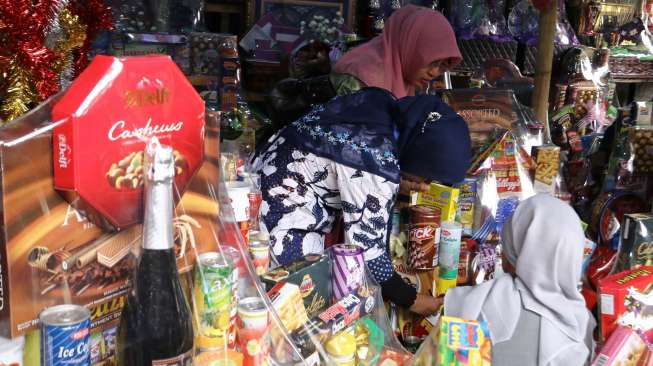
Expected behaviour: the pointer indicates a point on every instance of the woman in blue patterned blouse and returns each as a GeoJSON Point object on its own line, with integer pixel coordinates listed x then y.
{"type": "Point", "coordinates": [345, 156]}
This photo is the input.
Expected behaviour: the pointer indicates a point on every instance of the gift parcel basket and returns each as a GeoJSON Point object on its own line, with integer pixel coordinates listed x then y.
{"type": "Point", "coordinates": [113, 207]}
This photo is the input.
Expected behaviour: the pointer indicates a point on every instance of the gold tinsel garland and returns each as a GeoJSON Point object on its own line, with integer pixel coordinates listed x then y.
{"type": "Point", "coordinates": [75, 35]}
{"type": "Point", "coordinates": [20, 93]}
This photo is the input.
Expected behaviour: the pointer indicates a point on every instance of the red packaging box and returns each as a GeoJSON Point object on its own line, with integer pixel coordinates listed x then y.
{"type": "Point", "coordinates": [117, 104]}
{"type": "Point", "coordinates": [612, 292]}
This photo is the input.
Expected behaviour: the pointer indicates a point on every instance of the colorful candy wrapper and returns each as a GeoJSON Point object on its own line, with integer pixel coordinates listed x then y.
{"type": "Point", "coordinates": [441, 197]}
{"type": "Point", "coordinates": [467, 204]}
{"type": "Point", "coordinates": [456, 342]}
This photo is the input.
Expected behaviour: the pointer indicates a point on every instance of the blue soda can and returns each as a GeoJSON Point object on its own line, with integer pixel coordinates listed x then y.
{"type": "Point", "coordinates": [65, 336]}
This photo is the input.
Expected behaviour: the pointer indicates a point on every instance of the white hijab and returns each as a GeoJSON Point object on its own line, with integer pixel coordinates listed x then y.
{"type": "Point", "coordinates": [544, 242]}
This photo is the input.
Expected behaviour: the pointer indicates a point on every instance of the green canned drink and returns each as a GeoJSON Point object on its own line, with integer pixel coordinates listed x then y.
{"type": "Point", "coordinates": [214, 302]}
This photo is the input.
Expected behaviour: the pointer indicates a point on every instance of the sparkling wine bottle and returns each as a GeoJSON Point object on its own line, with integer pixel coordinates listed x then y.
{"type": "Point", "coordinates": [156, 327]}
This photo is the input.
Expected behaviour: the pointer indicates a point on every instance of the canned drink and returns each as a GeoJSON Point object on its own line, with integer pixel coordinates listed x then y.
{"type": "Point", "coordinates": [65, 336]}
{"type": "Point", "coordinates": [214, 301]}
{"type": "Point", "coordinates": [423, 238]}
{"type": "Point", "coordinates": [348, 269]}
{"type": "Point", "coordinates": [255, 200]}
{"type": "Point", "coordinates": [238, 194]}
{"type": "Point", "coordinates": [260, 252]}
{"type": "Point", "coordinates": [254, 331]}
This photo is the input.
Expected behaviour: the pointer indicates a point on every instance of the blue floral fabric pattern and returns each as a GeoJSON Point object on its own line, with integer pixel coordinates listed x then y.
{"type": "Point", "coordinates": [302, 195]}
{"type": "Point", "coordinates": [356, 130]}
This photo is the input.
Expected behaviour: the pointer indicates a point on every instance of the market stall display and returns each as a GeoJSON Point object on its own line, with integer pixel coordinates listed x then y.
{"type": "Point", "coordinates": [83, 239]}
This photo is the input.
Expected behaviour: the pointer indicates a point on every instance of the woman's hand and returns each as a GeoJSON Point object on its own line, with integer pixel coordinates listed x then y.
{"type": "Point", "coordinates": [411, 182]}
{"type": "Point", "coordinates": [426, 305]}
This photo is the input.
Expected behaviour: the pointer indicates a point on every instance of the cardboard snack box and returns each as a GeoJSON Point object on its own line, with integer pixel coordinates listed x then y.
{"type": "Point", "coordinates": [636, 242]}
{"type": "Point", "coordinates": [312, 275]}
{"type": "Point", "coordinates": [612, 293]}
{"type": "Point", "coordinates": [50, 253]}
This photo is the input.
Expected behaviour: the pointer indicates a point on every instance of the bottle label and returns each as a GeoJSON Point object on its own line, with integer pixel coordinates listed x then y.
{"type": "Point", "coordinates": [185, 359]}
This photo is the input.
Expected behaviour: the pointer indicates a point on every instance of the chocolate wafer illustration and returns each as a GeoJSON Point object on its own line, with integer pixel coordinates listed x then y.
{"type": "Point", "coordinates": [119, 246]}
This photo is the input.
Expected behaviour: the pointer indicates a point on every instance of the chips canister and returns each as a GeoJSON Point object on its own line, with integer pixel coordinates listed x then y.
{"type": "Point", "coordinates": [423, 238]}
{"type": "Point", "coordinates": [347, 270]}
{"type": "Point", "coordinates": [254, 331]}
{"type": "Point", "coordinates": [65, 336]}
{"type": "Point", "coordinates": [214, 301]}
{"type": "Point", "coordinates": [450, 236]}
{"type": "Point", "coordinates": [260, 252]}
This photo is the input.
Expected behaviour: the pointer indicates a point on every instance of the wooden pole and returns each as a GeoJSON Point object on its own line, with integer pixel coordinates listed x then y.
{"type": "Point", "coordinates": [545, 48]}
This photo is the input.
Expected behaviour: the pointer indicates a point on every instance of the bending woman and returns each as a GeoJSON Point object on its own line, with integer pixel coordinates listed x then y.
{"type": "Point", "coordinates": [345, 156]}
{"type": "Point", "coordinates": [535, 312]}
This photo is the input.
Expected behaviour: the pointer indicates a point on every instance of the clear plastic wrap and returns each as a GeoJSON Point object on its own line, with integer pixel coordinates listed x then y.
{"type": "Point", "coordinates": [474, 19]}
{"type": "Point", "coordinates": [489, 113]}
{"type": "Point", "coordinates": [504, 133]}
{"type": "Point", "coordinates": [504, 175]}
{"type": "Point", "coordinates": [523, 23]}
{"type": "Point", "coordinates": [72, 254]}
{"type": "Point", "coordinates": [342, 319]}
{"type": "Point", "coordinates": [169, 16]}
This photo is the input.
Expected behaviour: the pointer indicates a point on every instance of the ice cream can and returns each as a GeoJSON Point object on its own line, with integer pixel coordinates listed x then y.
{"type": "Point", "coordinates": [260, 252]}
{"type": "Point", "coordinates": [65, 336]}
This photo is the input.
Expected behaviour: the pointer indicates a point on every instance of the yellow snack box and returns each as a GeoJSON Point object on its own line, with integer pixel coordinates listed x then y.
{"type": "Point", "coordinates": [438, 196]}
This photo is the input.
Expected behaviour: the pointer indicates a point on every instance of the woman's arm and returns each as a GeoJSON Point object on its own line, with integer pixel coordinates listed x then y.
{"type": "Point", "coordinates": [367, 202]}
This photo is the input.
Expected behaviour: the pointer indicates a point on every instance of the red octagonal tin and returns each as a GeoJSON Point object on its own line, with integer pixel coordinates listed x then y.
{"type": "Point", "coordinates": [101, 126]}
